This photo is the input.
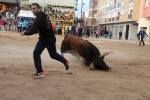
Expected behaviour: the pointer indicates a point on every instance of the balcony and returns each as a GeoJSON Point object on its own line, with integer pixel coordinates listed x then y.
{"type": "Point", "coordinates": [130, 1]}
{"type": "Point", "coordinates": [109, 19]}
{"type": "Point", "coordinates": [114, 6]}
{"type": "Point", "coordinates": [110, 7]}
{"type": "Point", "coordinates": [106, 20]}
{"type": "Point", "coordinates": [113, 19]}
{"type": "Point", "coordinates": [119, 4]}
{"type": "Point", "coordinates": [117, 18]}
{"type": "Point", "coordinates": [107, 8]}
{"type": "Point", "coordinates": [129, 16]}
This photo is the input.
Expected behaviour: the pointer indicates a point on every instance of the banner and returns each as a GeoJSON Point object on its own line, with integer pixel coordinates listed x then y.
{"type": "Point", "coordinates": [24, 13]}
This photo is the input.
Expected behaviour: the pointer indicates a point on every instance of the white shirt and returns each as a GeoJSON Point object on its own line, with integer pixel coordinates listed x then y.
{"type": "Point", "coordinates": [70, 27]}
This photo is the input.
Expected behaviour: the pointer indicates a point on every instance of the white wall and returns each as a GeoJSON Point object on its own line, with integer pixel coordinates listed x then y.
{"type": "Point", "coordinates": [133, 30]}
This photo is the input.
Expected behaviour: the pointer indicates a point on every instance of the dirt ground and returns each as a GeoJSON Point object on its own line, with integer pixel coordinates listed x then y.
{"type": "Point", "coordinates": [129, 78]}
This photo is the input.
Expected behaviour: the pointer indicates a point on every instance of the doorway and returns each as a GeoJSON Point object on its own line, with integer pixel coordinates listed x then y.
{"type": "Point", "coordinates": [127, 32]}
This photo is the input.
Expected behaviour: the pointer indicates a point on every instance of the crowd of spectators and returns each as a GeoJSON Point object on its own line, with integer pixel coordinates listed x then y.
{"type": "Point", "coordinates": [60, 14]}
{"type": "Point", "coordinates": [9, 20]}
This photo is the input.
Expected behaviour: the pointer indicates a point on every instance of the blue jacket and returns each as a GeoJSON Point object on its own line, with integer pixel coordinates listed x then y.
{"type": "Point", "coordinates": [18, 24]}
{"type": "Point", "coordinates": [142, 33]}
{"type": "Point", "coordinates": [110, 33]}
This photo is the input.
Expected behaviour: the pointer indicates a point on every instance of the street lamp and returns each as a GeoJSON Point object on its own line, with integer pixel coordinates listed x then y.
{"type": "Point", "coordinates": [81, 9]}
{"type": "Point", "coordinates": [43, 5]}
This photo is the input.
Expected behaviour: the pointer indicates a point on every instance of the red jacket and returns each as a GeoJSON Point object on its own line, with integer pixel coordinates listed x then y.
{"type": "Point", "coordinates": [1, 22]}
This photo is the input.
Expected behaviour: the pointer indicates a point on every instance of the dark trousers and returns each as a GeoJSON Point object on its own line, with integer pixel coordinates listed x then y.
{"type": "Point", "coordinates": [110, 36]}
{"type": "Point", "coordinates": [142, 37]}
{"type": "Point", "coordinates": [19, 29]}
{"type": "Point", "coordinates": [80, 34]}
{"type": "Point", "coordinates": [97, 36]}
{"type": "Point", "coordinates": [120, 37]}
{"type": "Point", "coordinates": [59, 31]}
{"type": "Point", "coordinates": [88, 34]}
{"type": "Point", "coordinates": [24, 28]}
{"type": "Point", "coordinates": [51, 48]}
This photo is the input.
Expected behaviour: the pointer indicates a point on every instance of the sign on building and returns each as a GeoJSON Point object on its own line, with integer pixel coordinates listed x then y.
{"type": "Point", "coordinates": [24, 13]}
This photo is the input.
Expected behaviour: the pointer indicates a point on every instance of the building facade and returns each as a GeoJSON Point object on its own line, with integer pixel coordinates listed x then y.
{"type": "Point", "coordinates": [72, 3]}
{"type": "Point", "coordinates": [144, 21]}
{"type": "Point", "coordinates": [92, 13]}
{"type": "Point", "coordinates": [119, 15]}
{"type": "Point", "coordinates": [85, 17]}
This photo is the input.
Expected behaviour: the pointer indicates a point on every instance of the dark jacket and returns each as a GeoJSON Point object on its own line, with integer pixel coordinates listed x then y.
{"type": "Point", "coordinates": [43, 25]}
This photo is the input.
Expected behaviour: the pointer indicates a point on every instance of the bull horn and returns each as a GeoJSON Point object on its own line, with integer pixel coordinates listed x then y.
{"type": "Point", "coordinates": [103, 55]}
{"type": "Point", "coordinates": [92, 67]}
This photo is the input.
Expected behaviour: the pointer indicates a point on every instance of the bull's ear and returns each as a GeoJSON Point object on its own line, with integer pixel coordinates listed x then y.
{"type": "Point", "coordinates": [103, 56]}
{"type": "Point", "coordinates": [65, 36]}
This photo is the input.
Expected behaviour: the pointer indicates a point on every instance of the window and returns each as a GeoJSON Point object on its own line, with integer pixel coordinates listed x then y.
{"type": "Point", "coordinates": [146, 3]}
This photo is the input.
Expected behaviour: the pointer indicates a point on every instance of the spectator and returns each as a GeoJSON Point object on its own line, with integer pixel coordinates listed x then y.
{"type": "Point", "coordinates": [120, 35]}
{"type": "Point", "coordinates": [70, 29]}
{"type": "Point", "coordinates": [0, 7]}
{"type": "Point", "coordinates": [54, 27]}
{"type": "Point", "coordinates": [77, 31]}
{"type": "Point", "coordinates": [2, 25]}
{"type": "Point", "coordinates": [97, 33]}
{"type": "Point", "coordinates": [59, 29]}
{"type": "Point", "coordinates": [4, 8]}
{"type": "Point", "coordinates": [24, 25]}
{"type": "Point", "coordinates": [15, 12]}
{"type": "Point", "coordinates": [110, 34]}
{"type": "Point", "coordinates": [88, 32]}
{"type": "Point", "coordinates": [73, 30]}
{"type": "Point", "coordinates": [106, 34]}
{"type": "Point", "coordinates": [14, 25]}
{"type": "Point", "coordinates": [63, 29]}
{"type": "Point", "coordinates": [80, 31]}
{"type": "Point", "coordinates": [66, 30]}
{"type": "Point", "coordinates": [19, 25]}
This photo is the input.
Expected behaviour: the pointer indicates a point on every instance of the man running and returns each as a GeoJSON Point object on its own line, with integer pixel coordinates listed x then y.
{"type": "Point", "coordinates": [47, 40]}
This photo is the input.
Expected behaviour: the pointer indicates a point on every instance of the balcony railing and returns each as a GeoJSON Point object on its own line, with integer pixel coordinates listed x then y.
{"type": "Point", "coordinates": [109, 19]}
{"type": "Point", "coordinates": [107, 8]}
{"type": "Point", "coordinates": [106, 20]}
{"type": "Point", "coordinates": [119, 4]}
{"type": "Point", "coordinates": [130, 1]}
{"type": "Point", "coordinates": [113, 19]}
{"type": "Point", "coordinates": [117, 18]}
{"type": "Point", "coordinates": [130, 16]}
{"type": "Point", "coordinates": [114, 6]}
{"type": "Point", "coordinates": [110, 7]}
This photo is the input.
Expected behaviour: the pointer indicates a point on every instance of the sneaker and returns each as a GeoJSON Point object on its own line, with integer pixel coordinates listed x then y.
{"type": "Point", "coordinates": [39, 74]}
{"type": "Point", "coordinates": [67, 64]}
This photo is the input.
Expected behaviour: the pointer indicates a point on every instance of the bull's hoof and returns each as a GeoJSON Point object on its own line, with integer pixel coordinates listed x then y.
{"type": "Point", "coordinates": [108, 70]}
{"type": "Point", "coordinates": [91, 69]}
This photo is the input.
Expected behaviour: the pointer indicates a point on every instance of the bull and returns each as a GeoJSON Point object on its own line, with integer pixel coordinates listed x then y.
{"type": "Point", "coordinates": [89, 52]}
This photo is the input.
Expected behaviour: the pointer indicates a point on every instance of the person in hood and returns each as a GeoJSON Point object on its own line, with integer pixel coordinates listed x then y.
{"type": "Point", "coordinates": [47, 40]}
